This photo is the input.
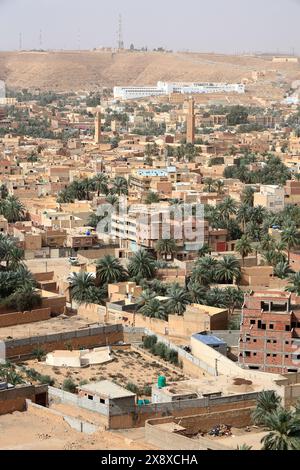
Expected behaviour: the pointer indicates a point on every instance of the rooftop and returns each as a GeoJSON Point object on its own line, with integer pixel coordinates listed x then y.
{"type": "Point", "coordinates": [209, 340]}
{"type": "Point", "coordinates": [107, 389]}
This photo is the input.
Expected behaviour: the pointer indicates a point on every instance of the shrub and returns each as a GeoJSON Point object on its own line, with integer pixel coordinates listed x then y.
{"type": "Point", "coordinates": [132, 388]}
{"type": "Point", "coordinates": [172, 356]}
{"type": "Point", "coordinates": [160, 349]}
{"type": "Point", "coordinates": [149, 341]}
{"type": "Point", "coordinates": [83, 382]}
{"type": "Point", "coordinates": [47, 380]}
{"type": "Point", "coordinates": [147, 390]}
{"type": "Point", "coordinates": [38, 354]}
{"type": "Point", "coordinates": [69, 386]}
{"type": "Point", "coordinates": [22, 300]}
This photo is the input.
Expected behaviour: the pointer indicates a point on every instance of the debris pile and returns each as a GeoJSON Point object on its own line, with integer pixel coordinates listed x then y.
{"type": "Point", "coordinates": [220, 430]}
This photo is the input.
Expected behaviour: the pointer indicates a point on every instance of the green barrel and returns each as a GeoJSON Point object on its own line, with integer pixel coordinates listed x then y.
{"type": "Point", "coordinates": [162, 381]}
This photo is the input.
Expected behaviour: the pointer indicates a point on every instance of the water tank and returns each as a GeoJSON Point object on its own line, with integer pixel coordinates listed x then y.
{"type": "Point", "coordinates": [162, 381]}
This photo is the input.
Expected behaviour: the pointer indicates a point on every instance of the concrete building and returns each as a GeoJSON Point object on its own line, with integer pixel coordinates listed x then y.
{"type": "Point", "coordinates": [271, 197]}
{"type": "Point", "coordinates": [80, 358]}
{"type": "Point", "coordinates": [166, 88]}
{"type": "Point", "coordinates": [211, 341]}
{"type": "Point", "coordinates": [270, 332]}
{"type": "Point", "coordinates": [108, 393]}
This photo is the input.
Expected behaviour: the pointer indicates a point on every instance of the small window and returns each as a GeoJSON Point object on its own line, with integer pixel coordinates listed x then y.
{"type": "Point", "coordinates": [274, 355]}
{"type": "Point", "coordinates": [268, 355]}
{"type": "Point", "coordinates": [254, 354]}
{"type": "Point", "coordinates": [247, 353]}
{"type": "Point", "coordinates": [252, 322]}
{"type": "Point", "coordinates": [287, 328]}
{"type": "Point", "coordinates": [102, 401]}
{"type": "Point", "coordinates": [274, 342]}
{"type": "Point", "coordinates": [255, 341]}
{"type": "Point", "coordinates": [287, 342]}
{"type": "Point", "coordinates": [286, 356]}
{"type": "Point", "coordinates": [271, 326]}
{"type": "Point", "coordinates": [263, 327]}
{"type": "Point", "coordinates": [90, 397]}
{"type": "Point", "coordinates": [268, 341]}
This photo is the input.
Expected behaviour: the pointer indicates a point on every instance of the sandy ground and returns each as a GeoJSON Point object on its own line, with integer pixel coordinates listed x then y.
{"type": "Point", "coordinates": [240, 437]}
{"type": "Point", "coordinates": [61, 266]}
{"type": "Point", "coordinates": [25, 431]}
{"type": "Point", "coordinates": [127, 366]}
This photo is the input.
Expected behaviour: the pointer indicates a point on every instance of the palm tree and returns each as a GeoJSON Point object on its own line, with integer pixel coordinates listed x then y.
{"type": "Point", "coordinates": [258, 214]}
{"type": "Point", "coordinates": [120, 186]}
{"type": "Point", "coordinates": [267, 402]}
{"type": "Point", "coordinates": [284, 431]}
{"type": "Point", "coordinates": [228, 270]}
{"type": "Point", "coordinates": [142, 265]}
{"type": "Point", "coordinates": [209, 185]}
{"type": "Point", "coordinates": [14, 258]}
{"type": "Point", "coordinates": [244, 247]}
{"type": "Point", "coordinates": [197, 293]}
{"type": "Point", "coordinates": [154, 309]}
{"type": "Point", "coordinates": [112, 199]}
{"type": "Point", "coordinates": [243, 215]}
{"type": "Point", "coordinates": [219, 187]}
{"type": "Point", "coordinates": [24, 277]}
{"type": "Point", "coordinates": [282, 270]}
{"type": "Point", "coordinates": [179, 298]}
{"type": "Point", "coordinates": [13, 209]}
{"type": "Point", "coordinates": [228, 207]}
{"type": "Point", "coordinates": [146, 296]}
{"type": "Point", "coordinates": [244, 447]}
{"type": "Point", "coordinates": [290, 237]}
{"type": "Point", "coordinates": [203, 271]}
{"type": "Point", "coordinates": [101, 181]}
{"type": "Point", "coordinates": [204, 250]}
{"type": "Point", "coordinates": [110, 270]}
{"type": "Point", "coordinates": [152, 198]}
{"type": "Point", "coordinates": [248, 196]}
{"type": "Point", "coordinates": [294, 284]}
{"type": "Point", "coordinates": [166, 248]}
{"type": "Point", "coordinates": [80, 285]}
{"type": "Point", "coordinates": [233, 299]}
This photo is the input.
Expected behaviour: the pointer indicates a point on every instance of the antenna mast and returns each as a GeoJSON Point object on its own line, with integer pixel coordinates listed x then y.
{"type": "Point", "coordinates": [120, 34]}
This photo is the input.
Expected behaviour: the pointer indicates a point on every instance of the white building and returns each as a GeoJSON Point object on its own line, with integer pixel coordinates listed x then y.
{"type": "Point", "coordinates": [167, 88]}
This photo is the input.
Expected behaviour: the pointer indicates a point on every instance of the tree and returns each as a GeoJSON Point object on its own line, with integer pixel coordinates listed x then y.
{"type": "Point", "coordinates": [248, 196]}
{"type": "Point", "coordinates": [197, 293]}
{"type": "Point", "coordinates": [152, 198]}
{"type": "Point", "coordinates": [120, 186]}
{"type": "Point", "coordinates": [243, 215]}
{"type": "Point", "coordinates": [282, 270]}
{"type": "Point", "coordinates": [69, 386]}
{"type": "Point", "coordinates": [232, 299]}
{"type": "Point", "coordinates": [153, 308]}
{"type": "Point", "coordinates": [228, 270]}
{"type": "Point", "coordinates": [290, 236]}
{"type": "Point", "coordinates": [209, 185]}
{"type": "Point", "coordinates": [23, 299]}
{"type": "Point", "coordinates": [244, 247]}
{"type": "Point", "coordinates": [294, 284]}
{"type": "Point", "coordinates": [179, 298]}
{"type": "Point", "coordinates": [267, 402]}
{"type": "Point", "coordinates": [204, 250]}
{"type": "Point", "coordinates": [237, 115]}
{"type": "Point", "coordinates": [101, 183]}
{"type": "Point", "coordinates": [228, 207]}
{"type": "Point", "coordinates": [166, 248]}
{"type": "Point", "coordinates": [110, 270]}
{"type": "Point", "coordinates": [12, 209]}
{"type": "Point", "coordinates": [142, 265]}
{"type": "Point", "coordinates": [284, 431]}
{"type": "Point", "coordinates": [203, 270]}
{"type": "Point", "coordinates": [80, 285]}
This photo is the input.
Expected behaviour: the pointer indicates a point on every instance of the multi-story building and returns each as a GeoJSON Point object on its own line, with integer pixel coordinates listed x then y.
{"type": "Point", "coordinates": [270, 332]}
{"type": "Point", "coordinates": [271, 197]}
{"type": "Point", "coordinates": [165, 88]}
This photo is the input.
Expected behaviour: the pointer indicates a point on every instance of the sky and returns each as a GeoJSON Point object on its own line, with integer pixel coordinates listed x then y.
{"type": "Point", "coordinates": [228, 26]}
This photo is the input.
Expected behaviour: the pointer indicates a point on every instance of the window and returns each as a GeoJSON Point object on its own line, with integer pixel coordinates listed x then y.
{"type": "Point", "coordinates": [268, 341]}
{"type": "Point", "coordinates": [90, 397]}
{"type": "Point", "coordinates": [287, 342]}
{"type": "Point", "coordinates": [252, 322]}
{"type": "Point", "coordinates": [286, 356]}
{"type": "Point", "coordinates": [247, 353]}
{"type": "Point", "coordinates": [102, 401]}
{"type": "Point", "coordinates": [274, 342]}
{"type": "Point", "coordinates": [263, 327]}
{"type": "Point", "coordinates": [268, 355]}
{"type": "Point", "coordinates": [274, 355]}
{"type": "Point", "coordinates": [259, 324]}
{"type": "Point", "coordinates": [271, 326]}
{"type": "Point", "coordinates": [255, 340]}
{"type": "Point", "coordinates": [287, 328]}
{"type": "Point", "coordinates": [254, 354]}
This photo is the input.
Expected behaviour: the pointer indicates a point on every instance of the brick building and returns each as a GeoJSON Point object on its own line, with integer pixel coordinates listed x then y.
{"type": "Point", "coordinates": [270, 332]}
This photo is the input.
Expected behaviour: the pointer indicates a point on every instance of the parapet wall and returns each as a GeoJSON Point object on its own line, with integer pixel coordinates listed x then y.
{"type": "Point", "coordinates": [86, 338]}
{"type": "Point", "coordinates": [20, 318]}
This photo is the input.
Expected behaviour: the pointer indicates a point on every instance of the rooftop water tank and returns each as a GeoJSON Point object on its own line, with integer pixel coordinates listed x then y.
{"type": "Point", "coordinates": [162, 381]}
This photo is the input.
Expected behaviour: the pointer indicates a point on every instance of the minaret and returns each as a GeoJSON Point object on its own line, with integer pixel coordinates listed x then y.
{"type": "Point", "coordinates": [98, 128]}
{"type": "Point", "coordinates": [190, 134]}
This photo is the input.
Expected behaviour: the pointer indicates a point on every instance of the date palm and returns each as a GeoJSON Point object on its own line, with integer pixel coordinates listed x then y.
{"type": "Point", "coordinates": [80, 285]}
{"type": "Point", "coordinates": [101, 182]}
{"type": "Point", "coordinates": [228, 270]}
{"type": "Point", "coordinates": [290, 236]}
{"type": "Point", "coordinates": [282, 270]}
{"type": "Point", "coordinates": [142, 265]}
{"type": "Point", "coordinates": [179, 298]}
{"type": "Point", "coordinates": [166, 248]}
{"type": "Point", "coordinates": [120, 186]}
{"type": "Point", "coordinates": [267, 402]}
{"type": "Point", "coordinates": [284, 431]}
{"type": "Point", "coordinates": [110, 270]}
{"type": "Point", "coordinates": [154, 309]}
{"type": "Point", "coordinates": [244, 247]}
{"type": "Point", "coordinates": [294, 284]}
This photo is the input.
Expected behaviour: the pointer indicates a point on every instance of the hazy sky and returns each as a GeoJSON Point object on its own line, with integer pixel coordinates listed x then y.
{"type": "Point", "coordinates": [202, 25]}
